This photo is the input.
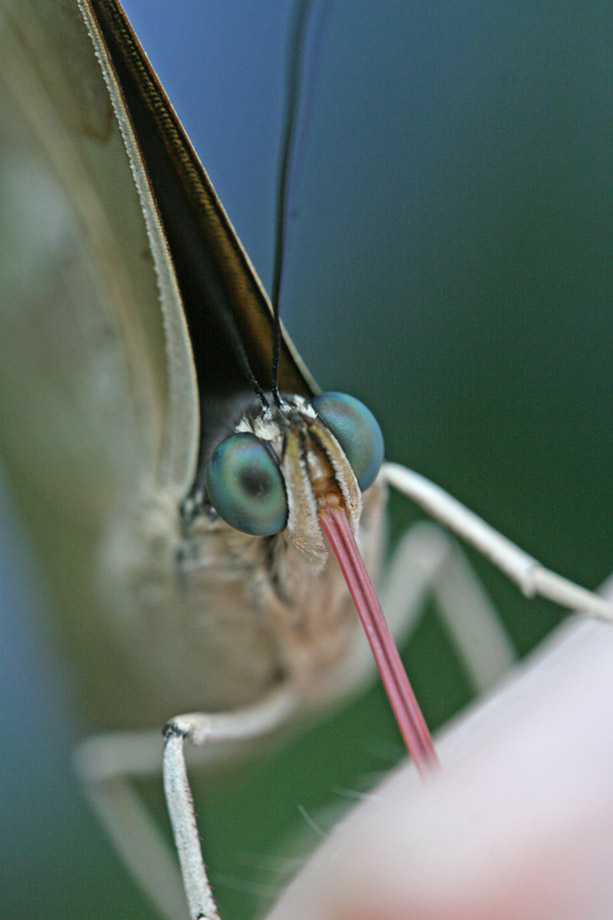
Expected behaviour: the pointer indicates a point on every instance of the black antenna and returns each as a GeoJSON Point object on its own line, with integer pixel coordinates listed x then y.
{"type": "Point", "coordinates": [243, 359]}
{"type": "Point", "coordinates": [296, 72]}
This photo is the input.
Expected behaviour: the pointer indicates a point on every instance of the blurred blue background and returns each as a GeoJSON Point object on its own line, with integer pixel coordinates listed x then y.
{"type": "Point", "coordinates": [450, 264]}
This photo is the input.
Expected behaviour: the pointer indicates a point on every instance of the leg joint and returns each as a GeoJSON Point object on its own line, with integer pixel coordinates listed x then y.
{"type": "Point", "coordinates": [175, 729]}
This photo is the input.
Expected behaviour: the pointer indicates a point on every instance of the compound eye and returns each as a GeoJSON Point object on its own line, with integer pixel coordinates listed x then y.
{"type": "Point", "coordinates": [356, 430]}
{"type": "Point", "coordinates": [245, 485]}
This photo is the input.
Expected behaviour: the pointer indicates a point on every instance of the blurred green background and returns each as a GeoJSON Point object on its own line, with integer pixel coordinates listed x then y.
{"type": "Point", "coordinates": [450, 264]}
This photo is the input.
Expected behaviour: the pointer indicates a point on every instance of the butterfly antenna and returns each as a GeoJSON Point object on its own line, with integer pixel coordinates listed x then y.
{"type": "Point", "coordinates": [239, 349]}
{"type": "Point", "coordinates": [297, 111]}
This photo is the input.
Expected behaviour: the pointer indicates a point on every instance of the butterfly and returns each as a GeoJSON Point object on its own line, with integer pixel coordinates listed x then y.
{"type": "Point", "coordinates": [109, 359]}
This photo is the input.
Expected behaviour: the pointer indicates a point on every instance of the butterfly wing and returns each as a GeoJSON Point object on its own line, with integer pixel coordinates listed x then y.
{"type": "Point", "coordinates": [84, 375]}
{"type": "Point", "coordinates": [101, 398]}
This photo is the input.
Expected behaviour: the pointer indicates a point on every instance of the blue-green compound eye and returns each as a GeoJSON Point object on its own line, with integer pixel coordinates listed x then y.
{"type": "Point", "coordinates": [245, 486]}
{"type": "Point", "coordinates": [356, 430]}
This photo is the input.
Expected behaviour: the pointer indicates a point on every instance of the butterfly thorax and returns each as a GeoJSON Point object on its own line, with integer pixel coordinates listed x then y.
{"type": "Point", "coordinates": [227, 615]}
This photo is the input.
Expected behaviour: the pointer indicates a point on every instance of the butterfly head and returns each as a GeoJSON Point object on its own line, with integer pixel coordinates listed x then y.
{"type": "Point", "coordinates": [285, 463]}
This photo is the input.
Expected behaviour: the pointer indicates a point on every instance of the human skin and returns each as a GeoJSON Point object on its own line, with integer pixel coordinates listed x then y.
{"type": "Point", "coordinates": [518, 823]}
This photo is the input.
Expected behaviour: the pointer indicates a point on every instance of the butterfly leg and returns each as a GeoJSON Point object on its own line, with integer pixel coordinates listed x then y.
{"type": "Point", "coordinates": [200, 729]}
{"type": "Point", "coordinates": [109, 764]}
{"type": "Point", "coordinates": [524, 570]}
{"type": "Point", "coordinates": [429, 563]}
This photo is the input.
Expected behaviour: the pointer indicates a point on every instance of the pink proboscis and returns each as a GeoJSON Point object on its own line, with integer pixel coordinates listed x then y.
{"type": "Point", "coordinates": [402, 699]}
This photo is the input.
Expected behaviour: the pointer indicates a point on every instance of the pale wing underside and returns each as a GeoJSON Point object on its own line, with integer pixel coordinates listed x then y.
{"type": "Point", "coordinates": [180, 443]}
{"type": "Point", "coordinates": [90, 414]}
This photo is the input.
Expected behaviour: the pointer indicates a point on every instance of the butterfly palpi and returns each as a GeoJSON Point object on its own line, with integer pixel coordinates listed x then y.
{"type": "Point", "coordinates": [197, 615]}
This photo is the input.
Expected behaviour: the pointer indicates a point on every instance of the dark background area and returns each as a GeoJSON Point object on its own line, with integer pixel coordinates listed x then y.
{"type": "Point", "coordinates": [449, 264]}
